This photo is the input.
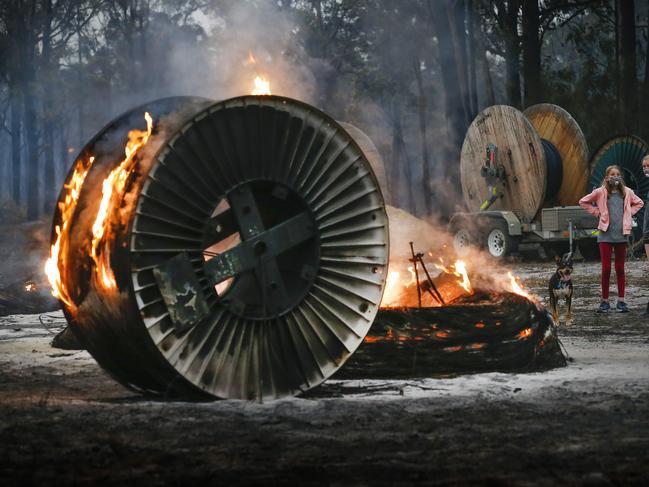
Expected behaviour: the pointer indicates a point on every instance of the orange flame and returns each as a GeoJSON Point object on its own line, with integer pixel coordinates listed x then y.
{"type": "Point", "coordinates": [251, 58]}
{"type": "Point", "coordinates": [518, 289]}
{"type": "Point", "coordinates": [413, 276]}
{"type": "Point", "coordinates": [391, 292]}
{"type": "Point", "coordinates": [399, 285]}
{"type": "Point", "coordinates": [58, 252]}
{"type": "Point", "coordinates": [527, 332]}
{"type": "Point", "coordinates": [458, 269]}
{"type": "Point", "coordinates": [30, 287]}
{"type": "Point", "coordinates": [262, 86]}
{"type": "Point", "coordinates": [111, 191]}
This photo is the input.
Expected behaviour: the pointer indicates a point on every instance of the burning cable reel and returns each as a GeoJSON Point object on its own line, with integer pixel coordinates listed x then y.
{"type": "Point", "coordinates": [249, 253]}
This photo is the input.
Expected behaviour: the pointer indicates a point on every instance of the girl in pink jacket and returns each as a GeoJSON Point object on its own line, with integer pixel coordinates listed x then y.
{"type": "Point", "coordinates": [614, 204]}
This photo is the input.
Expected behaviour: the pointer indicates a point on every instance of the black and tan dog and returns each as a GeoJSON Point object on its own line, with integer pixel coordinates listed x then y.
{"type": "Point", "coordinates": [560, 286]}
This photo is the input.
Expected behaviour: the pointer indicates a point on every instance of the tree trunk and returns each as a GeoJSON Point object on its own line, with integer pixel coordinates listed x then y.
{"type": "Point", "coordinates": [16, 126]}
{"type": "Point", "coordinates": [80, 95]}
{"type": "Point", "coordinates": [423, 129]}
{"type": "Point", "coordinates": [490, 94]}
{"type": "Point", "coordinates": [412, 205]}
{"type": "Point", "coordinates": [130, 16]}
{"type": "Point", "coordinates": [532, 85]}
{"type": "Point", "coordinates": [512, 56]}
{"type": "Point", "coordinates": [48, 116]}
{"type": "Point", "coordinates": [618, 90]}
{"type": "Point", "coordinates": [64, 156]}
{"type": "Point", "coordinates": [455, 17]}
{"type": "Point", "coordinates": [627, 54]}
{"type": "Point", "coordinates": [646, 71]}
{"type": "Point", "coordinates": [28, 58]}
{"type": "Point", "coordinates": [472, 56]}
{"type": "Point", "coordinates": [31, 139]}
{"type": "Point", "coordinates": [454, 106]}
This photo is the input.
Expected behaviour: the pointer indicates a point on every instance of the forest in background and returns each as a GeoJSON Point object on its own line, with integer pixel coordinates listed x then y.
{"type": "Point", "coordinates": [411, 74]}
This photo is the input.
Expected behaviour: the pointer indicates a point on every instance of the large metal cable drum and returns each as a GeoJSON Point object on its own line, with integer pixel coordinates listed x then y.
{"type": "Point", "coordinates": [537, 155]}
{"type": "Point", "coordinates": [254, 256]}
{"type": "Point", "coordinates": [626, 151]}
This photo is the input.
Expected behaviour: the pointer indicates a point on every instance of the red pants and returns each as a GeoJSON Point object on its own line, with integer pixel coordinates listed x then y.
{"type": "Point", "coordinates": [605, 251]}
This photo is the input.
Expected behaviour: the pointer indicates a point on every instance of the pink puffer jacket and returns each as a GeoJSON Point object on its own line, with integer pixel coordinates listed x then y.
{"type": "Point", "coordinates": [600, 208]}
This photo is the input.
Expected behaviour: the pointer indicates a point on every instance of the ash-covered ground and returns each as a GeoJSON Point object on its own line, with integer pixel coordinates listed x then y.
{"type": "Point", "coordinates": [63, 421]}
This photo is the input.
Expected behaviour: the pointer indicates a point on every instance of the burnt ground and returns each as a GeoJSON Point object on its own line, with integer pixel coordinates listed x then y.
{"type": "Point", "coordinates": [63, 421]}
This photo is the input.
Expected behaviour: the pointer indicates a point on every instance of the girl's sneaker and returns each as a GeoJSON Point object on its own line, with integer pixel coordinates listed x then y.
{"type": "Point", "coordinates": [622, 307]}
{"type": "Point", "coordinates": [603, 307]}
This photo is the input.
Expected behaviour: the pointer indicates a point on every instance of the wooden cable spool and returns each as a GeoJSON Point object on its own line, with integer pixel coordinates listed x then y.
{"type": "Point", "coordinates": [542, 153]}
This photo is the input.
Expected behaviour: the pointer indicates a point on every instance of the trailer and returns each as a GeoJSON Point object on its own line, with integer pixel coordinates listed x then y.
{"type": "Point", "coordinates": [501, 233]}
{"type": "Point", "coordinates": [522, 174]}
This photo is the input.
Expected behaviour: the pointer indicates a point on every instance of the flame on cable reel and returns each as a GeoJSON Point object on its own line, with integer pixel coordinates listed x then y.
{"type": "Point", "coordinates": [252, 256]}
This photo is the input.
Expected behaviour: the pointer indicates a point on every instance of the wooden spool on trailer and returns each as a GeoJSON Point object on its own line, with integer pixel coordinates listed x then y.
{"type": "Point", "coordinates": [542, 152]}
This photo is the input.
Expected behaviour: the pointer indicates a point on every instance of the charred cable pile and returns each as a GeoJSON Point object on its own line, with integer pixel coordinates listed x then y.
{"type": "Point", "coordinates": [438, 323]}
{"type": "Point", "coordinates": [475, 333]}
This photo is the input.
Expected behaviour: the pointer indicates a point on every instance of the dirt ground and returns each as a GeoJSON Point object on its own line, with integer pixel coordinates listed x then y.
{"type": "Point", "coordinates": [64, 422]}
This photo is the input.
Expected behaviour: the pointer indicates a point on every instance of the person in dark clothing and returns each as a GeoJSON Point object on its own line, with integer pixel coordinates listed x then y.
{"type": "Point", "coordinates": [645, 225]}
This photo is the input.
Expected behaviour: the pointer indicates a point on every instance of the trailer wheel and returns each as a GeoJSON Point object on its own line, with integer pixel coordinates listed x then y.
{"type": "Point", "coordinates": [463, 238]}
{"type": "Point", "coordinates": [589, 249]}
{"type": "Point", "coordinates": [498, 242]}
{"type": "Point", "coordinates": [462, 241]}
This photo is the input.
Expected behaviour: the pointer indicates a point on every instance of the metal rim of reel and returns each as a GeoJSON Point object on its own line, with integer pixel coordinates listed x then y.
{"type": "Point", "coordinates": [102, 342]}
{"type": "Point", "coordinates": [272, 142]}
{"type": "Point", "coordinates": [625, 151]}
{"type": "Point", "coordinates": [116, 123]}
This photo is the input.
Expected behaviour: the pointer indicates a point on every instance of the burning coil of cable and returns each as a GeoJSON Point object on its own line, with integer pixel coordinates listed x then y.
{"type": "Point", "coordinates": [478, 332]}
